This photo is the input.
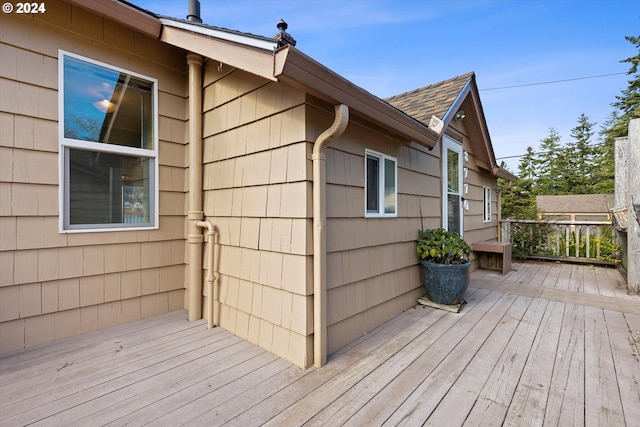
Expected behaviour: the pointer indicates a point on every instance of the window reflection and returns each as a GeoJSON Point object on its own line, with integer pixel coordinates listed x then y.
{"type": "Point", "coordinates": [103, 105]}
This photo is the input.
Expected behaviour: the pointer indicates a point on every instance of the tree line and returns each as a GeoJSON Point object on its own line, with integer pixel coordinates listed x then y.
{"type": "Point", "coordinates": [584, 165]}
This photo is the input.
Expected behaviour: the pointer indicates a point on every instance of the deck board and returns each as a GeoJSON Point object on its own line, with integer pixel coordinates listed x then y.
{"type": "Point", "coordinates": [80, 366]}
{"type": "Point", "coordinates": [564, 278]}
{"type": "Point", "coordinates": [626, 359]}
{"type": "Point", "coordinates": [194, 376]}
{"type": "Point", "coordinates": [459, 401]}
{"type": "Point", "coordinates": [437, 343]}
{"type": "Point", "coordinates": [566, 392]}
{"type": "Point", "coordinates": [35, 362]}
{"type": "Point", "coordinates": [496, 395]}
{"type": "Point", "coordinates": [546, 344]}
{"type": "Point", "coordinates": [453, 360]}
{"type": "Point", "coordinates": [357, 397]}
{"type": "Point", "coordinates": [529, 402]}
{"type": "Point", "coordinates": [210, 390]}
{"type": "Point", "coordinates": [551, 278]}
{"type": "Point", "coordinates": [602, 400]}
{"type": "Point", "coordinates": [303, 408]}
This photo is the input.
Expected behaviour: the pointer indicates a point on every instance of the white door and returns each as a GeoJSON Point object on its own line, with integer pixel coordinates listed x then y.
{"type": "Point", "coordinates": [451, 185]}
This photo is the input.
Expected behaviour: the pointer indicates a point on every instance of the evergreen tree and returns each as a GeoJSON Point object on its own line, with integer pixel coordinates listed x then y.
{"type": "Point", "coordinates": [604, 159]}
{"type": "Point", "coordinates": [580, 155]}
{"type": "Point", "coordinates": [626, 106]}
{"type": "Point", "coordinates": [550, 166]}
{"type": "Point", "coordinates": [519, 201]}
{"type": "Point", "coordinates": [628, 102]}
{"type": "Point", "coordinates": [507, 198]}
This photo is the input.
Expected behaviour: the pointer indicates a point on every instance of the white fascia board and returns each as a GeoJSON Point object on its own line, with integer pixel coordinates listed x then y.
{"type": "Point", "coordinates": [453, 108]}
{"type": "Point", "coordinates": [224, 35]}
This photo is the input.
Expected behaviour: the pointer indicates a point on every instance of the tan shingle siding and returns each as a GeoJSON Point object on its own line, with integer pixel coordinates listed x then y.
{"type": "Point", "coordinates": [75, 283]}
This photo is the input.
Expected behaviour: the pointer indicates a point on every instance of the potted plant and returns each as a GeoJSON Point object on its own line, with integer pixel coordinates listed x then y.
{"type": "Point", "coordinates": [444, 259]}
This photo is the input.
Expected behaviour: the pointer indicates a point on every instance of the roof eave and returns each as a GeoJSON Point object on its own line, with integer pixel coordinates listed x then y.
{"type": "Point", "coordinates": [231, 36]}
{"type": "Point", "coordinates": [124, 14]}
{"type": "Point", "coordinates": [504, 174]}
{"type": "Point", "coordinates": [256, 56]}
{"type": "Point", "coordinates": [298, 69]}
{"type": "Point", "coordinates": [255, 60]}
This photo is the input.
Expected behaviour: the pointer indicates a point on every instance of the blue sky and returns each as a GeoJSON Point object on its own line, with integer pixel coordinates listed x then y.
{"type": "Point", "coordinates": [392, 46]}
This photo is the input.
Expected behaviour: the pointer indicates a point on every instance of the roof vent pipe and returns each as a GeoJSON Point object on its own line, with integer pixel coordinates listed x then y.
{"type": "Point", "coordinates": [194, 11]}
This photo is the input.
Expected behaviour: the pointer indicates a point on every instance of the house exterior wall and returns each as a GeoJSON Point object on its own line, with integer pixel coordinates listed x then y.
{"type": "Point", "coordinates": [257, 176]}
{"type": "Point", "coordinates": [54, 285]}
{"type": "Point", "coordinates": [257, 183]}
{"type": "Point", "coordinates": [475, 229]}
{"type": "Point", "coordinates": [372, 266]}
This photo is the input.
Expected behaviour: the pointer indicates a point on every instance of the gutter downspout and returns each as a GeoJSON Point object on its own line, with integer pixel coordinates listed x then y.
{"type": "Point", "coordinates": [320, 233]}
{"type": "Point", "coordinates": [195, 213]}
{"type": "Point", "coordinates": [213, 303]}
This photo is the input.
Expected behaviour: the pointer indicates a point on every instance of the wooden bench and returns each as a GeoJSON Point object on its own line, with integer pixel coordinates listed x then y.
{"type": "Point", "coordinates": [494, 255]}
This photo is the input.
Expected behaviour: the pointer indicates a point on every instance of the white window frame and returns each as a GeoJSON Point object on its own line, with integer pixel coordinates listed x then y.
{"type": "Point", "coordinates": [380, 213]}
{"type": "Point", "coordinates": [64, 144]}
{"type": "Point", "coordinates": [486, 203]}
{"type": "Point", "coordinates": [450, 144]}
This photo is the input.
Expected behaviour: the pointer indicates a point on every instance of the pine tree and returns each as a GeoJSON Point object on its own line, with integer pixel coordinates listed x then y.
{"type": "Point", "coordinates": [628, 102]}
{"type": "Point", "coordinates": [519, 201]}
{"type": "Point", "coordinates": [604, 169]}
{"type": "Point", "coordinates": [580, 155]}
{"type": "Point", "coordinates": [507, 198]}
{"type": "Point", "coordinates": [549, 164]}
{"type": "Point", "coordinates": [626, 106]}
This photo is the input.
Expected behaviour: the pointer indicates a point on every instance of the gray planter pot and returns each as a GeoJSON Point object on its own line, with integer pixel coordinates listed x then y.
{"type": "Point", "coordinates": [444, 283]}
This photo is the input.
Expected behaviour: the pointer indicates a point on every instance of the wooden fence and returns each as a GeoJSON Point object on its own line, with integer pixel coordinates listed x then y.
{"type": "Point", "coordinates": [575, 241]}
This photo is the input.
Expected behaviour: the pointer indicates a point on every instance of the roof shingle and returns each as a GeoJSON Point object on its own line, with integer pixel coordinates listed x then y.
{"type": "Point", "coordinates": [432, 100]}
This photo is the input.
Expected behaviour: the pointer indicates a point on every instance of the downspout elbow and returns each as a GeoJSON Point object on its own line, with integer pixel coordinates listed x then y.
{"type": "Point", "coordinates": [334, 131]}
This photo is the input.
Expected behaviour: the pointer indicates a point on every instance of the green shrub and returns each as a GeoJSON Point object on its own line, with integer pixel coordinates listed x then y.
{"type": "Point", "coordinates": [442, 247]}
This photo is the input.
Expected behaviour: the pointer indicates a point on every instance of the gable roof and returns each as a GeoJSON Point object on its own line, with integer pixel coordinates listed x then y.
{"type": "Point", "coordinates": [443, 100]}
{"type": "Point", "coordinates": [433, 100]}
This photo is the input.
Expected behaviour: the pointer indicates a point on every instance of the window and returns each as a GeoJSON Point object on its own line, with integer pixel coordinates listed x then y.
{"type": "Point", "coordinates": [381, 188]}
{"type": "Point", "coordinates": [108, 147]}
{"type": "Point", "coordinates": [487, 204]}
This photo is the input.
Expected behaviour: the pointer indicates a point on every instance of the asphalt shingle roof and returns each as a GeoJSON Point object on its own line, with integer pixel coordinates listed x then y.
{"type": "Point", "coordinates": [575, 203]}
{"type": "Point", "coordinates": [432, 100]}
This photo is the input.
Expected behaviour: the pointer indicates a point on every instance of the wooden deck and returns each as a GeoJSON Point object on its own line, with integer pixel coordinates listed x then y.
{"type": "Point", "coordinates": [547, 344]}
